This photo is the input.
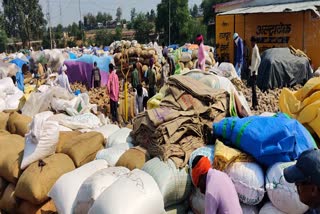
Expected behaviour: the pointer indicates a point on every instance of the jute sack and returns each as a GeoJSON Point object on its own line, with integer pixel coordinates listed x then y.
{"type": "Point", "coordinates": [83, 148]}
{"type": "Point", "coordinates": [4, 117]}
{"type": "Point", "coordinates": [37, 180]}
{"type": "Point", "coordinates": [28, 208]}
{"type": "Point", "coordinates": [11, 157]}
{"type": "Point", "coordinates": [134, 158]}
{"type": "Point", "coordinates": [8, 202]}
{"type": "Point", "coordinates": [18, 124]}
{"type": "Point", "coordinates": [3, 186]}
{"type": "Point", "coordinates": [64, 138]}
{"type": "Point", "coordinates": [4, 132]}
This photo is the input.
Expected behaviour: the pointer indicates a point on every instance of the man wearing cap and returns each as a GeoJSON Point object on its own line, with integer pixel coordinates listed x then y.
{"type": "Point", "coordinates": [306, 175]}
{"type": "Point", "coordinates": [254, 67]}
{"type": "Point", "coordinates": [220, 194]}
{"type": "Point", "coordinates": [63, 80]}
{"type": "Point", "coordinates": [239, 53]}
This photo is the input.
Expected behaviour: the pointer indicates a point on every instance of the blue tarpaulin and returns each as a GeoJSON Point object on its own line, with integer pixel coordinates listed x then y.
{"type": "Point", "coordinates": [268, 139]}
{"type": "Point", "coordinates": [72, 55]}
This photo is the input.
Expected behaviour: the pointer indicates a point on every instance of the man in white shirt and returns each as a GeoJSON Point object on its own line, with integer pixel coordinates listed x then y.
{"type": "Point", "coordinates": [254, 67]}
{"type": "Point", "coordinates": [63, 80]}
{"type": "Point", "coordinates": [141, 96]}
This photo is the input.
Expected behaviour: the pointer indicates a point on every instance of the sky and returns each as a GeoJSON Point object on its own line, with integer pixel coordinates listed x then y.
{"type": "Point", "coordinates": [70, 8]}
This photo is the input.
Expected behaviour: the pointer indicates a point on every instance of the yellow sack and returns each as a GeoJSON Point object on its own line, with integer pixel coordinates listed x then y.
{"type": "Point", "coordinates": [8, 202]}
{"type": "Point", "coordinates": [155, 101]}
{"type": "Point", "coordinates": [65, 137]}
{"type": "Point", "coordinates": [11, 147]}
{"type": "Point", "coordinates": [311, 86]}
{"type": "Point", "coordinates": [134, 158]}
{"type": "Point", "coordinates": [36, 181]}
{"type": "Point", "coordinates": [18, 124]}
{"type": "Point", "coordinates": [309, 113]}
{"type": "Point", "coordinates": [4, 117]}
{"type": "Point", "coordinates": [224, 156]}
{"type": "Point", "coordinates": [28, 208]}
{"type": "Point", "coordinates": [288, 103]}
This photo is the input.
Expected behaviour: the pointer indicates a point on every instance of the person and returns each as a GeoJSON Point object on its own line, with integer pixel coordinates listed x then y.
{"type": "Point", "coordinates": [220, 193]}
{"type": "Point", "coordinates": [239, 53]}
{"type": "Point", "coordinates": [165, 72]}
{"type": "Point", "coordinates": [306, 176]}
{"type": "Point", "coordinates": [96, 76]}
{"type": "Point", "coordinates": [139, 68]}
{"type": "Point", "coordinates": [47, 70]}
{"type": "Point", "coordinates": [63, 80]}
{"type": "Point", "coordinates": [141, 95]}
{"type": "Point", "coordinates": [151, 79]}
{"type": "Point", "coordinates": [201, 53]}
{"type": "Point", "coordinates": [113, 89]}
{"type": "Point", "coordinates": [135, 80]}
{"type": "Point", "coordinates": [164, 49]}
{"type": "Point", "coordinates": [170, 60]}
{"type": "Point", "coordinates": [254, 67]}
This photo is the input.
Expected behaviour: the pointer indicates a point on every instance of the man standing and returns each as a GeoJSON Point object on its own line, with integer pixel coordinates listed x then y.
{"type": "Point", "coordinates": [152, 80]}
{"type": "Point", "coordinates": [135, 80]}
{"type": "Point", "coordinates": [96, 76]}
{"type": "Point", "coordinates": [63, 80]}
{"type": "Point", "coordinates": [113, 89]}
{"type": "Point", "coordinates": [239, 54]}
{"type": "Point", "coordinates": [139, 68]}
{"type": "Point", "coordinates": [170, 61]}
{"type": "Point", "coordinates": [306, 175]}
{"type": "Point", "coordinates": [201, 53]}
{"type": "Point", "coordinates": [220, 194]}
{"type": "Point", "coordinates": [254, 67]}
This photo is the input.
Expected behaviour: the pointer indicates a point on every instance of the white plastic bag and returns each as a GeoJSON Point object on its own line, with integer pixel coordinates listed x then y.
{"type": "Point", "coordinates": [134, 193]}
{"type": "Point", "coordinates": [119, 137]}
{"type": "Point", "coordinates": [268, 208]}
{"type": "Point", "coordinates": [174, 184]}
{"type": "Point", "coordinates": [248, 179]}
{"type": "Point", "coordinates": [65, 190]}
{"type": "Point", "coordinates": [113, 154]}
{"type": "Point", "coordinates": [93, 186]}
{"type": "Point", "coordinates": [107, 131]}
{"type": "Point", "coordinates": [82, 121]}
{"type": "Point", "coordinates": [283, 195]}
{"type": "Point", "coordinates": [247, 209]}
{"type": "Point", "coordinates": [42, 139]}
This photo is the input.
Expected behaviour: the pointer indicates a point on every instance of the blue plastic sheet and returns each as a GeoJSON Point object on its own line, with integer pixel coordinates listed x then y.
{"type": "Point", "coordinates": [268, 139]}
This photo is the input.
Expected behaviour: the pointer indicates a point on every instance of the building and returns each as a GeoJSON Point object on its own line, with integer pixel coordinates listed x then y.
{"type": "Point", "coordinates": [278, 23]}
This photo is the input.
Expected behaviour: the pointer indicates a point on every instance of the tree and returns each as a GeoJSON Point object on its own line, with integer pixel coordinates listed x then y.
{"type": "Point", "coordinates": [58, 32]}
{"type": "Point", "coordinates": [118, 35]}
{"type": "Point", "coordinates": [152, 16]}
{"type": "Point", "coordinates": [103, 17]}
{"type": "Point", "coordinates": [179, 14]}
{"type": "Point", "coordinates": [24, 19]}
{"type": "Point", "coordinates": [194, 11]}
{"type": "Point", "coordinates": [119, 14]}
{"type": "Point", "coordinates": [3, 40]}
{"type": "Point", "coordinates": [133, 14]}
{"type": "Point", "coordinates": [142, 27]}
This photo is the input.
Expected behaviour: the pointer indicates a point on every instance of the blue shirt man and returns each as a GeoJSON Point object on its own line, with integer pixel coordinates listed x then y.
{"type": "Point", "coordinates": [239, 53]}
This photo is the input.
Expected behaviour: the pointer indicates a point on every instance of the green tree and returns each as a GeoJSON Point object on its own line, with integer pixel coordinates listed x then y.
{"type": "Point", "coordinates": [46, 39]}
{"type": "Point", "coordinates": [179, 17]}
{"type": "Point", "coordinates": [103, 17]}
{"type": "Point", "coordinates": [133, 14]}
{"type": "Point", "coordinates": [24, 19]}
{"type": "Point", "coordinates": [74, 29]}
{"type": "Point", "coordinates": [92, 21]}
{"type": "Point", "coordinates": [119, 14]}
{"type": "Point", "coordinates": [58, 32]}
{"type": "Point", "coordinates": [118, 35]}
{"type": "Point", "coordinates": [194, 11]}
{"type": "Point", "coordinates": [3, 40]}
{"type": "Point", "coordinates": [143, 28]}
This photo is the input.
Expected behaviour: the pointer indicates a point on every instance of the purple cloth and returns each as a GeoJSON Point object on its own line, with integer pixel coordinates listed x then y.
{"type": "Point", "coordinates": [221, 196]}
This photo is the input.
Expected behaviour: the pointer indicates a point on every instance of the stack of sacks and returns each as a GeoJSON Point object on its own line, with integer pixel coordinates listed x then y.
{"type": "Point", "coordinates": [303, 105]}
{"type": "Point", "coordinates": [117, 144]}
{"type": "Point", "coordinates": [283, 195]}
{"type": "Point", "coordinates": [175, 129]}
{"type": "Point", "coordinates": [9, 95]}
{"type": "Point", "coordinates": [18, 124]}
{"type": "Point", "coordinates": [174, 184]}
{"type": "Point", "coordinates": [276, 140]}
{"type": "Point", "coordinates": [94, 186]}
{"type": "Point", "coordinates": [138, 189]}
{"type": "Point", "coordinates": [66, 188]}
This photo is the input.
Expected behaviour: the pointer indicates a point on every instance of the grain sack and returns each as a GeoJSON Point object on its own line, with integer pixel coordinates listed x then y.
{"type": "Point", "coordinates": [18, 124]}
{"type": "Point", "coordinates": [107, 131]}
{"type": "Point", "coordinates": [195, 54]}
{"type": "Point", "coordinates": [177, 209]}
{"type": "Point", "coordinates": [10, 160]}
{"type": "Point", "coordinates": [119, 137]}
{"type": "Point", "coordinates": [8, 202]}
{"type": "Point", "coordinates": [197, 200]}
{"type": "Point", "coordinates": [4, 132]}
{"type": "Point", "coordinates": [93, 186]}
{"type": "Point", "coordinates": [207, 151]}
{"type": "Point", "coordinates": [3, 186]}
{"type": "Point", "coordinates": [113, 154]}
{"type": "Point", "coordinates": [28, 208]}
{"type": "Point", "coordinates": [66, 188]}
{"type": "Point", "coordinates": [64, 138]}
{"type": "Point", "coordinates": [283, 195]}
{"type": "Point", "coordinates": [248, 179]}
{"type": "Point", "coordinates": [134, 158]}
{"type": "Point", "coordinates": [185, 57]}
{"type": "Point", "coordinates": [174, 184]}
{"type": "Point", "coordinates": [268, 208]}
{"type": "Point", "coordinates": [247, 209]}
{"type": "Point", "coordinates": [37, 180]}
{"type": "Point", "coordinates": [224, 156]}
{"type": "Point", "coordinates": [195, 74]}
{"type": "Point", "coordinates": [4, 117]}
{"type": "Point", "coordinates": [42, 139]}
{"type": "Point", "coordinates": [84, 147]}
{"type": "Point", "coordinates": [138, 189]}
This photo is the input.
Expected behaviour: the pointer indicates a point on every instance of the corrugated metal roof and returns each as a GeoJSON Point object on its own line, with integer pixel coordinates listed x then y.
{"type": "Point", "coordinates": [277, 8]}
